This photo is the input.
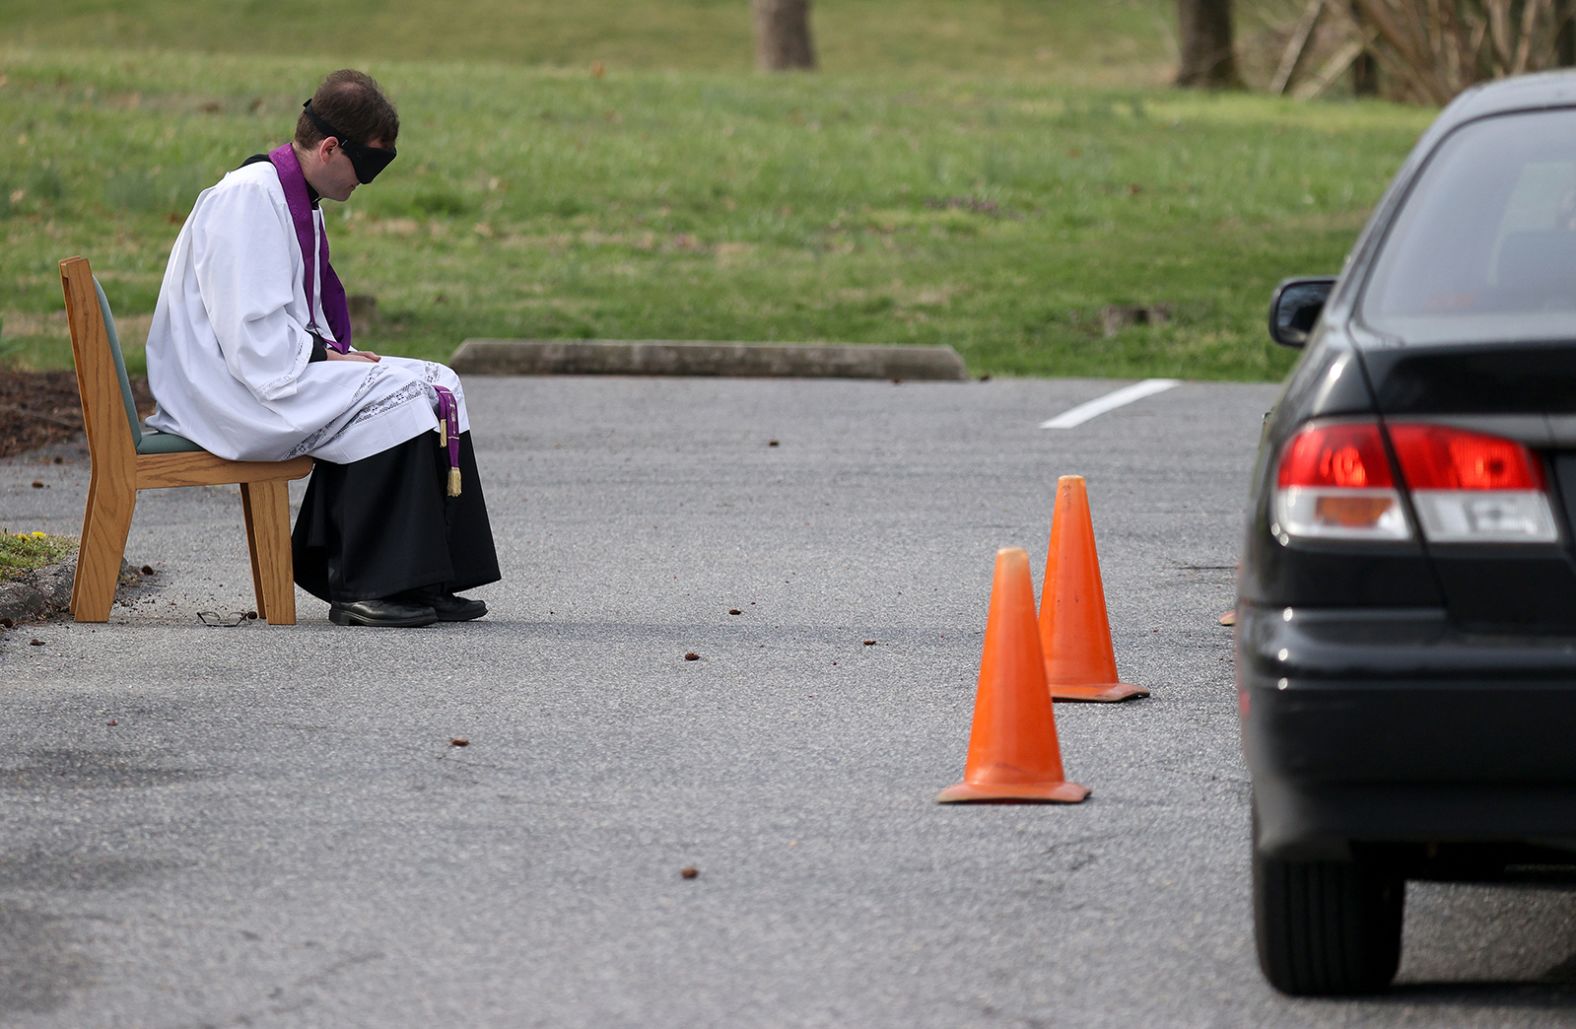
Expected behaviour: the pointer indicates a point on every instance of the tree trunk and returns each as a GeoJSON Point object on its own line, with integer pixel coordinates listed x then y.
{"type": "Point", "coordinates": [782, 35]}
{"type": "Point", "coordinates": [1365, 70]}
{"type": "Point", "coordinates": [1208, 59]}
{"type": "Point", "coordinates": [1365, 75]}
{"type": "Point", "coordinates": [1565, 32]}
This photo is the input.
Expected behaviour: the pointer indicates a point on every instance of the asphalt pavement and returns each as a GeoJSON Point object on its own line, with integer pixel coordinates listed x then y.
{"type": "Point", "coordinates": [272, 826]}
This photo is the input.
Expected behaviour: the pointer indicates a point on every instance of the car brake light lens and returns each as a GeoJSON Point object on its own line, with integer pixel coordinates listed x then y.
{"type": "Point", "coordinates": [1473, 488]}
{"type": "Point", "coordinates": [1346, 456]}
{"type": "Point", "coordinates": [1438, 457]}
{"type": "Point", "coordinates": [1335, 482]}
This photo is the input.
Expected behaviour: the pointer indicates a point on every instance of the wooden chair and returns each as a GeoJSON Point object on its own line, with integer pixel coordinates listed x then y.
{"type": "Point", "coordinates": [128, 458]}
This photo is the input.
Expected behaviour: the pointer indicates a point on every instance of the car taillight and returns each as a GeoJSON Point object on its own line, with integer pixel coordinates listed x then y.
{"type": "Point", "coordinates": [1469, 487]}
{"type": "Point", "coordinates": [1335, 482]}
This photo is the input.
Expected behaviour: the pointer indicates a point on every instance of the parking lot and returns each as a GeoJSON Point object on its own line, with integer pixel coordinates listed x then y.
{"type": "Point", "coordinates": [267, 825]}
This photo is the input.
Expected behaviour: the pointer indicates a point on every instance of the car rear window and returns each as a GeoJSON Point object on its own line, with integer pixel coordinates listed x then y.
{"type": "Point", "coordinates": [1484, 247]}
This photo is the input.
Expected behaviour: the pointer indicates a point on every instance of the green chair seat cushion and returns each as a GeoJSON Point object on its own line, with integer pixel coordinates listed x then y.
{"type": "Point", "coordinates": [155, 442]}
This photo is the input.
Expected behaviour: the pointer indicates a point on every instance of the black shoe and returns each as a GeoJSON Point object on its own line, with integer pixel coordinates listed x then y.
{"type": "Point", "coordinates": [447, 606]}
{"type": "Point", "coordinates": [385, 613]}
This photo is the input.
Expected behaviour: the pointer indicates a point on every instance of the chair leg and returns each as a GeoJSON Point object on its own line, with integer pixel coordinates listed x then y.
{"type": "Point", "coordinates": [87, 530]}
{"type": "Point", "coordinates": [267, 509]}
{"type": "Point", "coordinates": [105, 525]}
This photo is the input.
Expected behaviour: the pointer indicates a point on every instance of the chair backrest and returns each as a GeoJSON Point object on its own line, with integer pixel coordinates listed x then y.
{"type": "Point", "coordinates": [109, 412]}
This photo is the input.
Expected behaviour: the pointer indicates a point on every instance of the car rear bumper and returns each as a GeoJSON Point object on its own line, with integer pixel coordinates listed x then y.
{"type": "Point", "coordinates": [1391, 726]}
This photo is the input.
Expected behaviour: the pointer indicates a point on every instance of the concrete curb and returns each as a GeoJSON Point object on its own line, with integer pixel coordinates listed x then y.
{"type": "Point", "coordinates": [737, 360]}
{"type": "Point", "coordinates": [46, 592]}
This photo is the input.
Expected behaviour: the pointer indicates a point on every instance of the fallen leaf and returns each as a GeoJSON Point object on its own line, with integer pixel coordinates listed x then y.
{"type": "Point", "coordinates": [689, 872]}
{"type": "Point", "coordinates": [459, 741]}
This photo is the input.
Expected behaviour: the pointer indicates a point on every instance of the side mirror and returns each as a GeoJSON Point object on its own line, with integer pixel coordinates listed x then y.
{"type": "Point", "coordinates": [1296, 307]}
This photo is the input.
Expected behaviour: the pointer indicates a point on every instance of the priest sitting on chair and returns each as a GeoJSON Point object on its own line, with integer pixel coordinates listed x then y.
{"type": "Point", "coordinates": [249, 356]}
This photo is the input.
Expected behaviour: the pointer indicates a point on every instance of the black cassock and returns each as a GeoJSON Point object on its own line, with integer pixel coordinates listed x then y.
{"type": "Point", "coordinates": [384, 524]}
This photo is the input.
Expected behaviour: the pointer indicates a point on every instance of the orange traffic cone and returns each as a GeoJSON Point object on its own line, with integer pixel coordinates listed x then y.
{"type": "Point", "coordinates": [1074, 633]}
{"type": "Point", "coordinates": [1013, 755]}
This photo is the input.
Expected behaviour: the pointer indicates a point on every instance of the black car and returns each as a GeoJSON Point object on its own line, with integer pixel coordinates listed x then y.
{"type": "Point", "coordinates": [1406, 613]}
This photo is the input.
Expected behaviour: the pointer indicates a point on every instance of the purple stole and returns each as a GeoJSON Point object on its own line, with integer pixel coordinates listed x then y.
{"type": "Point", "coordinates": [336, 308]}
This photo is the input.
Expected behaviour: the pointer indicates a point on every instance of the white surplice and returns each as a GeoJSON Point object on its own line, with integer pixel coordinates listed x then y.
{"type": "Point", "coordinates": [231, 338]}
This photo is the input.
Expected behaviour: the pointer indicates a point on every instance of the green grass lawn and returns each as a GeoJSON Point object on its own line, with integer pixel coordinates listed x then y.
{"type": "Point", "coordinates": [22, 552]}
{"type": "Point", "coordinates": [1072, 41]}
{"type": "Point", "coordinates": [952, 185]}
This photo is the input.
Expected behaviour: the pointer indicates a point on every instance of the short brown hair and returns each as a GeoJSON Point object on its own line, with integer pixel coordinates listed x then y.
{"type": "Point", "coordinates": [354, 104]}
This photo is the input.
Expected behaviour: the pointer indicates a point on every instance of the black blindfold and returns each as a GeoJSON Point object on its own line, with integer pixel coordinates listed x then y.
{"type": "Point", "coordinates": [366, 160]}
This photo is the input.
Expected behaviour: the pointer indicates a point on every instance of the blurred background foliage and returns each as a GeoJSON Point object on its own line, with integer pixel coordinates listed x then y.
{"type": "Point", "coordinates": [1016, 178]}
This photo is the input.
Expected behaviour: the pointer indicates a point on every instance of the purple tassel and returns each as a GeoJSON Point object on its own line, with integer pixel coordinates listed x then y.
{"type": "Point", "coordinates": [449, 434]}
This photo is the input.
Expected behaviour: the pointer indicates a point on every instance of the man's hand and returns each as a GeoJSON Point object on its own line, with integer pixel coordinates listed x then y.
{"type": "Point", "coordinates": [354, 355]}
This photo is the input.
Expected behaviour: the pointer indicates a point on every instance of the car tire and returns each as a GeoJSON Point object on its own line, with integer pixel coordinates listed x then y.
{"type": "Point", "coordinates": [1327, 927]}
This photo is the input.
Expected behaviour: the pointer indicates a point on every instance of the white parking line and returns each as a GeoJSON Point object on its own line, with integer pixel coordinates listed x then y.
{"type": "Point", "coordinates": [1100, 405]}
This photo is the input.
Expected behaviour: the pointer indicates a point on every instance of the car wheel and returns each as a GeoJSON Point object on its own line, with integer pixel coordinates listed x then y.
{"type": "Point", "coordinates": [1327, 927]}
